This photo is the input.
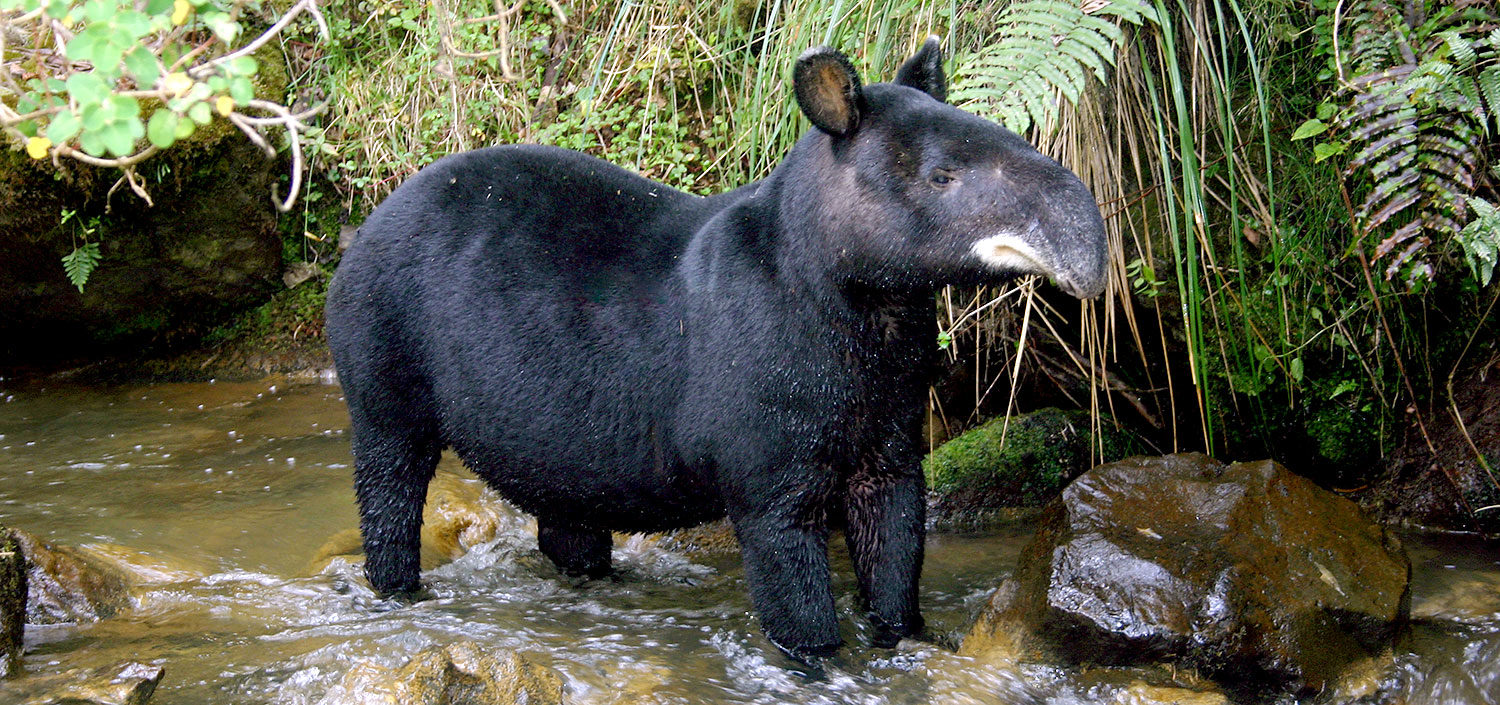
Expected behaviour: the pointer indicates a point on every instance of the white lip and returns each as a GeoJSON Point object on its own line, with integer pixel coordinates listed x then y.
{"type": "Point", "coordinates": [1009, 252]}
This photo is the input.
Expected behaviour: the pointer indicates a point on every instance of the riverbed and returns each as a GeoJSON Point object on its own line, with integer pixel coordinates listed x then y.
{"type": "Point", "coordinates": [220, 496]}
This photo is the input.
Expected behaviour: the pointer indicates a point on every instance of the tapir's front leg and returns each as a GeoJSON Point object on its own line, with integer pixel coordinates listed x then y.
{"type": "Point", "coordinates": [886, 508]}
{"type": "Point", "coordinates": [781, 525]}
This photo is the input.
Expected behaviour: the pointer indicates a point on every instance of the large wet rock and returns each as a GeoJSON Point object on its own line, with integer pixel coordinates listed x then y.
{"type": "Point", "coordinates": [66, 585]}
{"type": "Point", "coordinates": [1023, 463]}
{"type": "Point", "coordinates": [462, 673]}
{"type": "Point", "coordinates": [129, 683]}
{"type": "Point", "coordinates": [460, 513]}
{"type": "Point", "coordinates": [12, 603]}
{"type": "Point", "coordinates": [1245, 572]}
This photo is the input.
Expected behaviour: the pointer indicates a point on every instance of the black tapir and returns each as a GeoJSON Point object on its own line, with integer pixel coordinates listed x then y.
{"type": "Point", "coordinates": [611, 354]}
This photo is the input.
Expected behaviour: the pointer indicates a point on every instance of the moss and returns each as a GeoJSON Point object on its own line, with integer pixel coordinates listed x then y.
{"type": "Point", "coordinates": [1025, 464]}
{"type": "Point", "coordinates": [290, 316]}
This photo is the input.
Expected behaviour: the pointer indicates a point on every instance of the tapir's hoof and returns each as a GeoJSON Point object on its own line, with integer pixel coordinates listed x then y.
{"type": "Point", "coordinates": [886, 636]}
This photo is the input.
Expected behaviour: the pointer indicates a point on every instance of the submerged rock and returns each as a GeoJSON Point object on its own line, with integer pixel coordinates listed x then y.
{"type": "Point", "coordinates": [716, 538]}
{"type": "Point", "coordinates": [459, 515]}
{"type": "Point", "coordinates": [1022, 463]}
{"type": "Point", "coordinates": [128, 683]}
{"type": "Point", "coordinates": [1245, 572]}
{"type": "Point", "coordinates": [66, 585]}
{"type": "Point", "coordinates": [461, 673]}
{"type": "Point", "coordinates": [12, 603]}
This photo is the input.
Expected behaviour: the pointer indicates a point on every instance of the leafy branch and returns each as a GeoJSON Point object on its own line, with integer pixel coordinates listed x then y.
{"type": "Point", "coordinates": [76, 77]}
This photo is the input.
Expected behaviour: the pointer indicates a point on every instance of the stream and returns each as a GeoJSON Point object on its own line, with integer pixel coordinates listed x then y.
{"type": "Point", "coordinates": [221, 495]}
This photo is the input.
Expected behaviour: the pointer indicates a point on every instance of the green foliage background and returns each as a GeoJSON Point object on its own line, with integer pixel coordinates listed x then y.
{"type": "Point", "coordinates": [1299, 192]}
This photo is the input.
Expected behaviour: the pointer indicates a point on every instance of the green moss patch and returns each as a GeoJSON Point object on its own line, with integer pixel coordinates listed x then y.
{"type": "Point", "coordinates": [1022, 464]}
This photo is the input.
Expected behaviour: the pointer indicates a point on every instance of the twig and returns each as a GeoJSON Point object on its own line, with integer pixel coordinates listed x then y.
{"type": "Point", "coordinates": [308, 6]}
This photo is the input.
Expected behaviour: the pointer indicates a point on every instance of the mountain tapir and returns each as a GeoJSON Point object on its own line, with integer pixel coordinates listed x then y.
{"type": "Point", "coordinates": [611, 354]}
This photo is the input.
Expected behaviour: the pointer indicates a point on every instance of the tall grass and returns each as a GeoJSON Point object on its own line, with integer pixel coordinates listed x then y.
{"type": "Point", "coordinates": [1236, 309]}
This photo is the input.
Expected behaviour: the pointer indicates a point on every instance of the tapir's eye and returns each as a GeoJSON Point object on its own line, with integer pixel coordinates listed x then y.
{"type": "Point", "coordinates": [942, 178]}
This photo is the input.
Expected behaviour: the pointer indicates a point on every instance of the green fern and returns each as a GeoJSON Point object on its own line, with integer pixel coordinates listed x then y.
{"type": "Point", "coordinates": [1481, 240]}
{"type": "Point", "coordinates": [1043, 48]}
{"type": "Point", "coordinates": [80, 263]}
{"type": "Point", "coordinates": [1425, 92]}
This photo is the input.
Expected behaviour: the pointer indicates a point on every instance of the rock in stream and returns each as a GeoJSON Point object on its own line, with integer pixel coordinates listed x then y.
{"type": "Point", "coordinates": [12, 603]}
{"type": "Point", "coordinates": [1247, 573]}
{"type": "Point", "coordinates": [68, 586]}
{"type": "Point", "coordinates": [461, 673]}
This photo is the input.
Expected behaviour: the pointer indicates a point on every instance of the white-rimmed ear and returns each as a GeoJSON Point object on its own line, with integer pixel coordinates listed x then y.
{"type": "Point", "coordinates": [924, 70]}
{"type": "Point", "coordinates": [828, 91]}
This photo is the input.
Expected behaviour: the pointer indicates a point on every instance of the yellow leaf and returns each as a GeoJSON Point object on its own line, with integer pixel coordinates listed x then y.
{"type": "Point", "coordinates": [176, 83]}
{"type": "Point", "coordinates": [180, 11]}
{"type": "Point", "coordinates": [37, 147]}
{"type": "Point", "coordinates": [225, 105]}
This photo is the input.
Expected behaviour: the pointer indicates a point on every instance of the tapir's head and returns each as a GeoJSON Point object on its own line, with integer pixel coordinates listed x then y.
{"type": "Point", "coordinates": [908, 189]}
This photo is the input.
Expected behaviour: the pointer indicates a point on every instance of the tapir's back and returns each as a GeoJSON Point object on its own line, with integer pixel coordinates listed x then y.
{"type": "Point", "coordinates": [497, 293]}
{"type": "Point", "coordinates": [547, 211]}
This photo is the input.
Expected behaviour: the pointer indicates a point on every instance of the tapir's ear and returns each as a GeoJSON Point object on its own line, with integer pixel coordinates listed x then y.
{"type": "Point", "coordinates": [828, 90]}
{"type": "Point", "coordinates": [924, 70]}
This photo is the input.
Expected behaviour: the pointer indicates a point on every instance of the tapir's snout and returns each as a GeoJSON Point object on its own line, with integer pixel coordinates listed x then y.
{"type": "Point", "coordinates": [1063, 240]}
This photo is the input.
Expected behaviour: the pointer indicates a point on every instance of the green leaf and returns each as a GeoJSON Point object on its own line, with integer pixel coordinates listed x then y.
{"type": "Point", "coordinates": [99, 11]}
{"type": "Point", "coordinates": [241, 90]}
{"type": "Point", "coordinates": [80, 263]}
{"type": "Point", "coordinates": [63, 127]}
{"type": "Point", "coordinates": [1295, 369]}
{"type": "Point", "coordinates": [87, 88]}
{"type": "Point", "coordinates": [142, 64]}
{"type": "Point", "coordinates": [242, 66]}
{"type": "Point", "coordinates": [162, 128]}
{"type": "Point", "coordinates": [92, 144]}
{"type": "Point", "coordinates": [158, 7]}
{"type": "Point", "coordinates": [200, 113]}
{"type": "Point", "coordinates": [1324, 150]}
{"type": "Point", "coordinates": [1311, 128]}
{"type": "Point", "coordinates": [130, 26]}
{"type": "Point", "coordinates": [185, 129]}
{"type": "Point", "coordinates": [116, 136]}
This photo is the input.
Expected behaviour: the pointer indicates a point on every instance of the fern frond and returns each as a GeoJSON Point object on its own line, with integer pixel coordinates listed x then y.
{"type": "Point", "coordinates": [1460, 48]}
{"type": "Point", "coordinates": [80, 263]}
{"type": "Point", "coordinates": [1045, 49]}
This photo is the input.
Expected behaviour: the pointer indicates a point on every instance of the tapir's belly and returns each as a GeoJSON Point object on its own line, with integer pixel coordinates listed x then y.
{"type": "Point", "coordinates": [606, 491]}
{"type": "Point", "coordinates": [582, 441]}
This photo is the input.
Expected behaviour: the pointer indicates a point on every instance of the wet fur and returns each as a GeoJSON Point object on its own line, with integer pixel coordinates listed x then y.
{"type": "Point", "coordinates": [611, 354]}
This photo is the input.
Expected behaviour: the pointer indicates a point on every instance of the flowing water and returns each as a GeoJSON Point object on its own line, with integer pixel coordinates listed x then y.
{"type": "Point", "coordinates": [220, 495]}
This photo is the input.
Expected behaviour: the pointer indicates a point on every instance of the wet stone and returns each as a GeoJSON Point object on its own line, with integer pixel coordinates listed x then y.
{"type": "Point", "coordinates": [1247, 573]}
{"type": "Point", "coordinates": [461, 673]}
{"type": "Point", "coordinates": [460, 513]}
{"type": "Point", "coordinates": [66, 585]}
{"type": "Point", "coordinates": [129, 683]}
{"type": "Point", "coordinates": [12, 603]}
{"type": "Point", "coordinates": [716, 538]}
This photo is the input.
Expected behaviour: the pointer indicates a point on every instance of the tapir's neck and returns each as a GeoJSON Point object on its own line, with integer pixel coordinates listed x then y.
{"type": "Point", "coordinates": [776, 235]}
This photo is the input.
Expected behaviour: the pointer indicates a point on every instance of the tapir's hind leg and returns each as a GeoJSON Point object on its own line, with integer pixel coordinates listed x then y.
{"type": "Point", "coordinates": [393, 462]}
{"type": "Point", "coordinates": [575, 551]}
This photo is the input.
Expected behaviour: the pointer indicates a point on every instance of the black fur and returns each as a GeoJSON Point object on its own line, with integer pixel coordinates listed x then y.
{"type": "Point", "coordinates": [614, 355]}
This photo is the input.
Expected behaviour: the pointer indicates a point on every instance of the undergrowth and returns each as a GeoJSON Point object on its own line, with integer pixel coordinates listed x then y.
{"type": "Point", "coordinates": [1280, 283]}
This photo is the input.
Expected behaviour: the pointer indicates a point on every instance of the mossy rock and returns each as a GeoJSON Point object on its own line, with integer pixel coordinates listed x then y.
{"type": "Point", "coordinates": [1022, 464]}
{"type": "Point", "coordinates": [208, 247]}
